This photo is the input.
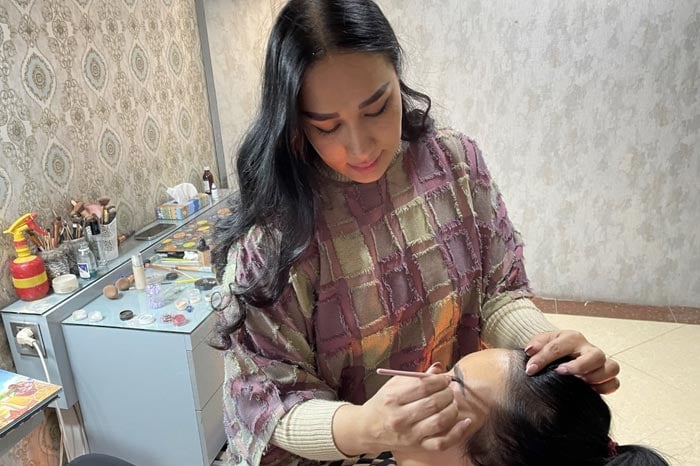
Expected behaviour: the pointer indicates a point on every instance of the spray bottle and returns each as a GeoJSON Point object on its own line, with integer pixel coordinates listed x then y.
{"type": "Point", "coordinates": [28, 271]}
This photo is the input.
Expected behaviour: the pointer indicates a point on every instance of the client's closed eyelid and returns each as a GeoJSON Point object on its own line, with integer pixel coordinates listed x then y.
{"type": "Point", "coordinates": [459, 378]}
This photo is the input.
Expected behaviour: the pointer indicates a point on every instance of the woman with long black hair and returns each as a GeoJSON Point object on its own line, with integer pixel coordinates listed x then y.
{"type": "Point", "coordinates": [363, 237]}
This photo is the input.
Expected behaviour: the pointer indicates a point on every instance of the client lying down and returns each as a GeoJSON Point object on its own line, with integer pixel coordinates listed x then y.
{"type": "Point", "coordinates": [518, 420]}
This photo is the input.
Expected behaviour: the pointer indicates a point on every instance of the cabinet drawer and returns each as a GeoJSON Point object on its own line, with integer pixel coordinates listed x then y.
{"type": "Point", "coordinates": [211, 422]}
{"type": "Point", "coordinates": [207, 372]}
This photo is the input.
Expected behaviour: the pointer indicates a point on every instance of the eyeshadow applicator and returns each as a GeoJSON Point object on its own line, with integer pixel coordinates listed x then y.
{"type": "Point", "coordinates": [419, 375]}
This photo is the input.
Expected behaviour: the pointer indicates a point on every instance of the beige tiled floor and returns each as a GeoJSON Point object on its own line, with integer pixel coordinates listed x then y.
{"type": "Point", "coordinates": [658, 403]}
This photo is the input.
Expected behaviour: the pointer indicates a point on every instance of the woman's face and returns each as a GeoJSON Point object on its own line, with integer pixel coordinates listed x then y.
{"type": "Point", "coordinates": [485, 374]}
{"type": "Point", "coordinates": [351, 111]}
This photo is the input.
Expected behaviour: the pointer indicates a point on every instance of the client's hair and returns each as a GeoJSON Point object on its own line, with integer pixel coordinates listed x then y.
{"type": "Point", "coordinates": [551, 419]}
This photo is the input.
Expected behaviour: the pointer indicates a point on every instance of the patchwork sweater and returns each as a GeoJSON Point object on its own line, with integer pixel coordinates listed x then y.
{"type": "Point", "coordinates": [403, 272]}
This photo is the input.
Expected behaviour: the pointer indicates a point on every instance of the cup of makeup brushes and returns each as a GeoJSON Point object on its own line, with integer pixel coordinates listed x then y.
{"type": "Point", "coordinates": [108, 238]}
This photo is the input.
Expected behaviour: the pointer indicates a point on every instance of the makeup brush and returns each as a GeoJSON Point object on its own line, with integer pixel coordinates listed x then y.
{"type": "Point", "coordinates": [419, 375]}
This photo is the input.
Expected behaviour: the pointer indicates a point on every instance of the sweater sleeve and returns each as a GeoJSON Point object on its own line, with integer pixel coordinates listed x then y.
{"type": "Point", "coordinates": [511, 323]}
{"type": "Point", "coordinates": [271, 366]}
{"type": "Point", "coordinates": [307, 430]}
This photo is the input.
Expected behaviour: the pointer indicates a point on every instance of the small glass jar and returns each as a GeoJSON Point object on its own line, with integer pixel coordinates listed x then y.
{"type": "Point", "coordinates": [55, 262]}
{"type": "Point", "coordinates": [87, 266]}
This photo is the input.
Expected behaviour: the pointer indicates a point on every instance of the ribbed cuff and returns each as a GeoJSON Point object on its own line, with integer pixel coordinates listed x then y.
{"type": "Point", "coordinates": [514, 324]}
{"type": "Point", "coordinates": [307, 430]}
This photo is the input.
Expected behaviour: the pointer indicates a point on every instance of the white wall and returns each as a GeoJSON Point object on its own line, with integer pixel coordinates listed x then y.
{"type": "Point", "coordinates": [587, 111]}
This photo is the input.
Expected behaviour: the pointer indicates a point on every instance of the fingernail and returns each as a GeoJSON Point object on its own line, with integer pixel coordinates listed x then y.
{"type": "Point", "coordinates": [531, 369]}
{"type": "Point", "coordinates": [466, 422]}
{"type": "Point", "coordinates": [435, 365]}
{"type": "Point", "coordinates": [527, 349]}
{"type": "Point", "coordinates": [563, 370]}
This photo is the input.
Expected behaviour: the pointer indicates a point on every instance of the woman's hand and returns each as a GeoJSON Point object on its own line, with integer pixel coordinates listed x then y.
{"type": "Point", "coordinates": [405, 414]}
{"type": "Point", "coordinates": [589, 363]}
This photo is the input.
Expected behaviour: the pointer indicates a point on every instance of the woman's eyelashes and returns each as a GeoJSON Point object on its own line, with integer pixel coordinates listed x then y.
{"type": "Point", "coordinates": [379, 112]}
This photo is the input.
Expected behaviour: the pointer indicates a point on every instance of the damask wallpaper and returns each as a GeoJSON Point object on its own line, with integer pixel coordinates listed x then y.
{"type": "Point", "coordinates": [588, 113]}
{"type": "Point", "coordinates": [97, 98]}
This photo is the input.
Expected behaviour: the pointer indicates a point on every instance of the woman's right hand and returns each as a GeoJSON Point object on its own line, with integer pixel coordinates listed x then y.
{"type": "Point", "coordinates": [406, 414]}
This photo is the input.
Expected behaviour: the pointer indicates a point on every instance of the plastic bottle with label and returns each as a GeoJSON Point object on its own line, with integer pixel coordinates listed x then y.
{"type": "Point", "coordinates": [214, 192]}
{"type": "Point", "coordinates": [207, 180]}
{"type": "Point", "coordinates": [139, 272]}
{"type": "Point", "coordinates": [87, 266]}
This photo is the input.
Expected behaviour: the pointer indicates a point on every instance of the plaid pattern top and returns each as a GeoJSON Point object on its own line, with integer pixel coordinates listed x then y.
{"type": "Point", "coordinates": [397, 275]}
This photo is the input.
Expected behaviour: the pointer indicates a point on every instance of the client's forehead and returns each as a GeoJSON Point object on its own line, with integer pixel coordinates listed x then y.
{"type": "Point", "coordinates": [485, 374]}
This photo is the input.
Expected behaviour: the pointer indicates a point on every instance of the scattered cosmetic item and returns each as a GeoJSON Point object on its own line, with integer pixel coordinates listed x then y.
{"type": "Point", "coordinates": [139, 272]}
{"type": "Point", "coordinates": [110, 292]}
{"type": "Point", "coordinates": [95, 316]}
{"type": "Point", "coordinates": [65, 283]}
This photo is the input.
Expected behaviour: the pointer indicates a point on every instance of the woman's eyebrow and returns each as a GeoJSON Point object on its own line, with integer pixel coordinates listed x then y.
{"type": "Point", "coordinates": [374, 97]}
{"type": "Point", "coordinates": [369, 101]}
{"type": "Point", "coordinates": [460, 378]}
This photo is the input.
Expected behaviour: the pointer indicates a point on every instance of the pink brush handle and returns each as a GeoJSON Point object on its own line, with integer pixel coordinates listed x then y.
{"type": "Point", "coordinates": [419, 375]}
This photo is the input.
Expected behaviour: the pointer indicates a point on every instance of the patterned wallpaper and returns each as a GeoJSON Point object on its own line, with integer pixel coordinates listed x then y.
{"type": "Point", "coordinates": [97, 98]}
{"type": "Point", "coordinates": [588, 113]}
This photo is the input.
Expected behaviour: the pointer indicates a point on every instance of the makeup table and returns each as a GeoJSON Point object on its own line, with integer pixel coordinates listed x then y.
{"type": "Point", "coordinates": [148, 393]}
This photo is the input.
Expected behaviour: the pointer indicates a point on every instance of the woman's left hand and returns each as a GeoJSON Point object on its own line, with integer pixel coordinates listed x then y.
{"type": "Point", "coordinates": [589, 362]}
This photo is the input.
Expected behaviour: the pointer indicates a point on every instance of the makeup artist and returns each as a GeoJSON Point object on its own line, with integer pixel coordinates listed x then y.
{"type": "Point", "coordinates": [363, 237]}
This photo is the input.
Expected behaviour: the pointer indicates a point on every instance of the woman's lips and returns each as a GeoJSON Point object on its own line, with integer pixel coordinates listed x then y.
{"type": "Point", "coordinates": [366, 166]}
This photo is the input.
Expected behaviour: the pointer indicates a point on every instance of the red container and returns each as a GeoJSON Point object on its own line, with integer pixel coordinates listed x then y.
{"type": "Point", "coordinates": [29, 278]}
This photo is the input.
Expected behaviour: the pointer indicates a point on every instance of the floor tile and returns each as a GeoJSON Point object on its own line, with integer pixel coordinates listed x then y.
{"type": "Point", "coordinates": [649, 412]}
{"type": "Point", "coordinates": [614, 310]}
{"type": "Point", "coordinates": [673, 356]}
{"type": "Point", "coordinates": [613, 335]}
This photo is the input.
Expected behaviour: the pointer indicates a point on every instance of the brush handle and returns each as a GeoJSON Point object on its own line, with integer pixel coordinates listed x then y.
{"type": "Point", "coordinates": [418, 375]}
{"type": "Point", "coordinates": [392, 372]}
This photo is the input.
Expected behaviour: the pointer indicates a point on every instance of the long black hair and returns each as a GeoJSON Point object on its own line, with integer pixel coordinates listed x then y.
{"type": "Point", "coordinates": [276, 179]}
{"type": "Point", "coordinates": [551, 420]}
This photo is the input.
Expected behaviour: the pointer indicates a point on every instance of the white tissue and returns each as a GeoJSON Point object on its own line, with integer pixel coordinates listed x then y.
{"type": "Point", "coordinates": [182, 192]}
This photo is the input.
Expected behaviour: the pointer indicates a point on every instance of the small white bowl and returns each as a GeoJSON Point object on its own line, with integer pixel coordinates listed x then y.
{"type": "Point", "coordinates": [64, 284]}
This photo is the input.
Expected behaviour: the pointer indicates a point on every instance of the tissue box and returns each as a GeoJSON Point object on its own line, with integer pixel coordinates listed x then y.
{"type": "Point", "coordinates": [172, 211]}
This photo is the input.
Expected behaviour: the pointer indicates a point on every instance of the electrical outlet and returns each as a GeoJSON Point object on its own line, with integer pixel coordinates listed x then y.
{"type": "Point", "coordinates": [28, 350]}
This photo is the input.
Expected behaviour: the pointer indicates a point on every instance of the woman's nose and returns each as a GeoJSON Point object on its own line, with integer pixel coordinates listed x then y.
{"type": "Point", "coordinates": [358, 144]}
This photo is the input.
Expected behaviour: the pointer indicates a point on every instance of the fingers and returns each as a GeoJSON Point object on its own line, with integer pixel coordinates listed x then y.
{"type": "Point", "coordinates": [416, 389]}
{"type": "Point", "coordinates": [555, 346]}
{"type": "Point", "coordinates": [427, 407]}
{"type": "Point", "coordinates": [537, 342]}
{"type": "Point", "coordinates": [608, 387]}
{"type": "Point", "coordinates": [604, 379]}
{"type": "Point", "coordinates": [457, 435]}
{"type": "Point", "coordinates": [442, 429]}
{"type": "Point", "coordinates": [590, 360]}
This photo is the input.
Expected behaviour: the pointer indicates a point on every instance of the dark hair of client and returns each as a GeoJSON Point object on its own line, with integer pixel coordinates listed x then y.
{"type": "Point", "coordinates": [551, 420]}
{"type": "Point", "coordinates": [275, 162]}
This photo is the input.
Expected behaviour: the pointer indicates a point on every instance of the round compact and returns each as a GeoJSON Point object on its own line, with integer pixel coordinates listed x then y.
{"type": "Point", "coordinates": [179, 320]}
{"type": "Point", "coordinates": [64, 284]}
{"type": "Point", "coordinates": [126, 315]}
{"type": "Point", "coordinates": [145, 319]}
{"type": "Point", "coordinates": [95, 316]}
{"type": "Point", "coordinates": [205, 284]}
